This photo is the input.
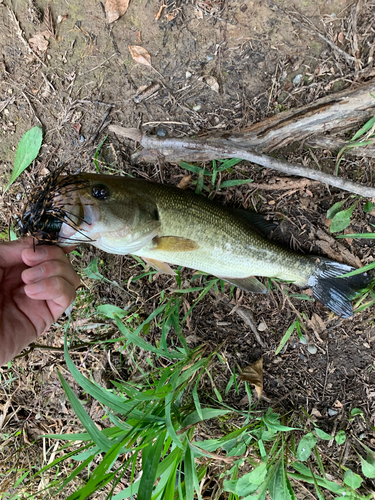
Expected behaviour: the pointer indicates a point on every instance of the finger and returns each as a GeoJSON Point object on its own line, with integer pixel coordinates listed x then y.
{"type": "Point", "coordinates": [11, 252]}
{"type": "Point", "coordinates": [49, 269]}
{"type": "Point", "coordinates": [55, 289]}
{"type": "Point", "coordinates": [32, 257]}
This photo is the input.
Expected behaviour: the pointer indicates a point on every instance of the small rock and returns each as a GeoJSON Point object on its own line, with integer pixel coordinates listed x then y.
{"type": "Point", "coordinates": [262, 326]}
{"type": "Point", "coordinates": [188, 74]}
{"type": "Point", "coordinates": [297, 79]}
{"type": "Point", "coordinates": [312, 349]}
{"type": "Point", "coordinates": [331, 413]}
{"type": "Point", "coordinates": [161, 132]}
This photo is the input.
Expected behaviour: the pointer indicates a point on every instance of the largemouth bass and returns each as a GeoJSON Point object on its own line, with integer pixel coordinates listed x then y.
{"type": "Point", "coordinates": [166, 225]}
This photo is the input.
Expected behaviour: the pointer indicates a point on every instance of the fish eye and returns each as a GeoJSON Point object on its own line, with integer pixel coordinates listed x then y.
{"type": "Point", "coordinates": [100, 191]}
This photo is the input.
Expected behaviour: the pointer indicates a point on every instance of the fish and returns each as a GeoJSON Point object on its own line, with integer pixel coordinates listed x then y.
{"type": "Point", "coordinates": [165, 226]}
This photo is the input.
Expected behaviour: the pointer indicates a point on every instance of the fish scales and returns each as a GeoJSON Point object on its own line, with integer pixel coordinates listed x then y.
{"type": "Point", "coordinates": [166, 225]}
{"type": "Point", "coordinates": [228, 245]}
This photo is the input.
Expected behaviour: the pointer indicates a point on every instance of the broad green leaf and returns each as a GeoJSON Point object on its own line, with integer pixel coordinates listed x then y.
{"type": "Point", "coordinates": [240, 486]}
{"type": "Point", "coordinates": [356, 411]}
{"type": "Point", "coordinates": [368, 469]}
{"type": "Point", "coordinates": [341, 220]}
{"type": "Point", "coordinates": [110, 310]}
{"type": "Point", "coordinates": [279, 486]}
{"type": "Point", "coordinates": [352, 480]}
{"type": "Point", "coordinates": [150, 467]}
{"type": "Point", "coordinates": [368, 206]}
{"type": "Point", "coordinates": [340, 437]}
{"type": "Point", "coordinates": [27, 150]}
{"type": "Point", "coordinates": [336, 208]}
{"type": "Point", "coordinates": [234, 182]}
{"type": "Point", "coordinates": [258, 475]}
{"type": "Point", "coordinates": [272, 421]}
{"type": "Point", "coordinates": [92, 270]}
{"type": "Point", "coordinates": [305, 446]}
{"type": "Point", "coordinates": [322, 435]}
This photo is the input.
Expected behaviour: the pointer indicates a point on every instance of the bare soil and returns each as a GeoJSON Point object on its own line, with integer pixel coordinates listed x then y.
{"type": "Point", "coordinates": [87, 79]}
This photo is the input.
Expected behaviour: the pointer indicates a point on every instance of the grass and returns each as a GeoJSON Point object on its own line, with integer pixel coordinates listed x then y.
{"type": "Point", "coordinates": [157, 418]}
{"type": "Point", "coordinates": [155, 427]}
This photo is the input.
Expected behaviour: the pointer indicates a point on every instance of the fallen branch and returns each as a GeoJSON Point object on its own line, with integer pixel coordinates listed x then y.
{"type": "Point", "coordinates": [182, 147]}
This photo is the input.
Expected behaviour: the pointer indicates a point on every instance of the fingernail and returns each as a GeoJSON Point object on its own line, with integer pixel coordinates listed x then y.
{"type": "Point", "coordinates": [36, 254]}
{"type": "Point", "coordinates": [33, 274]}
{"type": "Point", "coordinates": [34, 288]}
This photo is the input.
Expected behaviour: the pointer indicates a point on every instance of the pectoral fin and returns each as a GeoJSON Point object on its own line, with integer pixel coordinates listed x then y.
{"type": "Point", "coordinates": [249, 284]}
{"type": "Point", "coordinates": [160, 266]}
{"type": "Point", "coordinates": [174, 244]}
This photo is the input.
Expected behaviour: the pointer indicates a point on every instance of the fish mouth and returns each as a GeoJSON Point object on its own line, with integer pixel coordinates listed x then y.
{"type": "Point", "coordinates": [54, 213]}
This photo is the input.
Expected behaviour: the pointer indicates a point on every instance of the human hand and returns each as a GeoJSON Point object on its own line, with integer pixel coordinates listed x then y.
{"type": "Point", "coordinates": [36, 287]}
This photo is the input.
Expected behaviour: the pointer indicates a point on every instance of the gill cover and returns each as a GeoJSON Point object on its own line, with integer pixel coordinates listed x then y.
{"type": "Point", "coordinates": [115, 216]}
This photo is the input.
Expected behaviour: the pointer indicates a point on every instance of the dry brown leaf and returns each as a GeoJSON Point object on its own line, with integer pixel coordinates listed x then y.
{"type": "Point", "coordinates": [115, 9]}
{"type": "Point", "coordinates": [39, 43]}
{"type": "Point", "coordinates": [140, 55]}
{"type": "Point", "coordinates": [212, 83]}
{"type": "Point", "coordinates": [184, 182]}
{"type": "Point", "coordinates": [317, 323]}
{"type": "Point", "coordinates": [254, 375]}
{"type": "Point", "coordinates": [48, 20]}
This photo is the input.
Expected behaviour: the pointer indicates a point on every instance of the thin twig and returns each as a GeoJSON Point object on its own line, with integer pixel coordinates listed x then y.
{"type": "Point", "coordinates": [226, 150]}
{"type": "Point", "coordinates": [249, 320]}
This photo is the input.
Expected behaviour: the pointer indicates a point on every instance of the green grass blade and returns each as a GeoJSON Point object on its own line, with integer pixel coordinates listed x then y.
{"type": "Point", "coordinates": [366, 127]}
{"type": "Point", "coordinates": [138, 341]}
{"type": "Point", "coordinates": [171, 431]}
{"type": "Point", "coordinates": [286, 336]}
{"type": "Point", "coordinates": [99, 478]}
{"type": "Point", "coordinates": [361, 270]}
{"type": "Point", "coordinates": [194, 168]}
{"type": "Point", "coordinates": [97, 154]}
{"type": "Point", "coordinates": [189, 465]}
{"type": "Point", "coordinates": [234, 182]}
{"type": "Point", "coordinates": [150, 468]}
{"type": "Point", "coordinates": [231, 162]}
{"type": "Point", "coordinates": [112, 401]}
{"type": "Point", "coordinates": [365, 236]}
{"type": "Point", "coordinates": [27, 150]}
{"type": "Point", "coordinates": [99, 439]}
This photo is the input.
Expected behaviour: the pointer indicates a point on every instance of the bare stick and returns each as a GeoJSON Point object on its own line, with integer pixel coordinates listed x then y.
{"type": "Point", "coordinates": [225, 149]}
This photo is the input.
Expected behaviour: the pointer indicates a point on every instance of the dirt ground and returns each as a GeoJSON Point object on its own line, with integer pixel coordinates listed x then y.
{"type": "Point", "coordinates": [220, 65]}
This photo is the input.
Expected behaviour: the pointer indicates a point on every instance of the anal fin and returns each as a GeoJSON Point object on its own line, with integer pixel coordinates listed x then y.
{"type": "Point", "coordinates": [161, 267]}
{"type": "Point", "coordinates": [249, 284]}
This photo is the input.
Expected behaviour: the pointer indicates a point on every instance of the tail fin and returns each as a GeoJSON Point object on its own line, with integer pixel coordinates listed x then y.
{"type": "Point", "coordinates": [336, 293]}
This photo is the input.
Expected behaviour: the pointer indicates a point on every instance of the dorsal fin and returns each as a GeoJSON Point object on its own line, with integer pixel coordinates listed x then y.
{"type": "Point", "coordinates": [257, 220]}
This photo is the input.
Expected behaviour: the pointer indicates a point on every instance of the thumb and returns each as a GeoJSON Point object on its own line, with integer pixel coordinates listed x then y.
{"type": "Point", "coordinates": [11, 251]}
